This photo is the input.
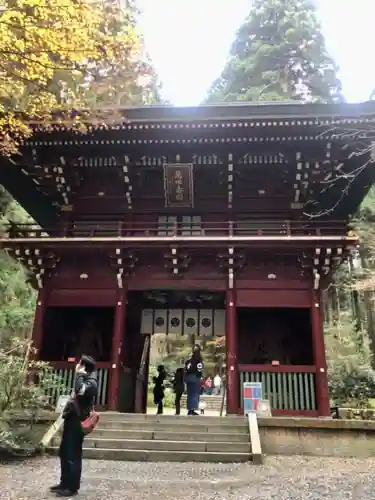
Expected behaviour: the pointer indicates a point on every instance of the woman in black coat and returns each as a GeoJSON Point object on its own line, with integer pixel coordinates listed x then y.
{"type": "Point", "coordinates": [178, 387]}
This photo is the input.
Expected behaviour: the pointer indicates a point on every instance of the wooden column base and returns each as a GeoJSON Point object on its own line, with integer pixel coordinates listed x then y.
{"type": "Point", "coordinates": [231, 347]}
{"type": "Point", "coordinates": [117, 339]}
{"type": "Point", "coordinates": [321, 378]}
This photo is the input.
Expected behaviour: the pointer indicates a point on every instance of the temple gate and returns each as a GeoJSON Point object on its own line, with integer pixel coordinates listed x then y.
{"type": "Point", "coordinates": [233, 201]}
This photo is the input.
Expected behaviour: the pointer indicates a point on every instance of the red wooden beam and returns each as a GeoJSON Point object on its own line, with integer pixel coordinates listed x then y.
{"type": "Point", "coordinates": [232, 348]}
{"type": "Point", "coordinates": [277, 369]}
{"type": "Point", "coordinates": [37, 333]}
{"type": "Point", "coordinates": [322, 394]}
{"type": "Point", "coordinates": [63, 365]}
{"type": "Point", "coordinates": [117, 340]}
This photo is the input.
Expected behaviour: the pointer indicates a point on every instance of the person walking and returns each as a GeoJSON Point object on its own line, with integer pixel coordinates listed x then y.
{"type": "Point", "coordinates": [75, 412]}
{"type": "Point", "coordinates": [217, 384]}
{"type": "Point", "coordinates": [178, 387]}
{"type": "Point", "coordinates": [193, 374]}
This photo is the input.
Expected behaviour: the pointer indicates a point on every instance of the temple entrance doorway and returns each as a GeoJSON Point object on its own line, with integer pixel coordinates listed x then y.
{"type": "Point", "coordinates": [69, 332]}
{"type": "Point", "coordinates": [275, 347]}
{"type": "Point", "coordinates": [169, 324]}
{"type": "Point", "coordinates": [274, 336]}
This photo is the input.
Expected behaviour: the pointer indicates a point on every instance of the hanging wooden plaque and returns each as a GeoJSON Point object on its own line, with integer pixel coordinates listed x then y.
{"type": "Point", "coordinates": [178, 185]}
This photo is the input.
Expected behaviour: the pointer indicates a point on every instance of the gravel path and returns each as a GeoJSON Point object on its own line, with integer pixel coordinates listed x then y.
{"type": "Point", "coordinates": [282, 478]}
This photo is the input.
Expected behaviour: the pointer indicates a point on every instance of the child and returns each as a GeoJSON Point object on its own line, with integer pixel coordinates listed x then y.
{"type": "Point", "coordinates": [178, 387]}
{"type": "Point", "coordinates": [202, 407]}
{"type": "Point", "coordinates": [208, 385]}
{"type": "Point", "coordinates": [159, 388]}
{"type": "Point", "coordinates": [202, 383]}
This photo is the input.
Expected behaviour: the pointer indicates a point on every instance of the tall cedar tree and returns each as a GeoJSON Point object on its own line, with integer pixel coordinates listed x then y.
{"type": "Point", "coordinates": [279, 54]}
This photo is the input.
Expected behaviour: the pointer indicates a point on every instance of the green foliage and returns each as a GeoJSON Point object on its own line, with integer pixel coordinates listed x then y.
{"type": "Point", "coordinates": [17, 298]}
{"type": "Point", "coordinates": [215, 355]}
{"type": "Point", "coordinates": [349, 357]}
{"type": "Point", "coordinates": [172, 351]}
{"type": "Point", "coordinates": [350, 319]}
{"type": "Point", "coordinates": [279, 53]}
{"type": "Point", "coordinates": [23, 388]}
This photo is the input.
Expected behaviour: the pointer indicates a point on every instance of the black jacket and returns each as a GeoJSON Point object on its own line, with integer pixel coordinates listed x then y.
{"type": "Point", "coordinates": [159, 387]}
{"type": "Point", "coordinates": [178, 383]}
{"type": "Point", "coordinates": [194, 366]}
{"type": "Point", "coordinates": [85, 390]}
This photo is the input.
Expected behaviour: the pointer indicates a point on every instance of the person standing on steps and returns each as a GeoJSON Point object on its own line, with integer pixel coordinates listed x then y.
{"type": "Point", "coordinates": [75, 412]}
{"type": "Point", "coordinates": [193, 375]}
{"type": "Point", "coordinates": [159, 388]}
{"type": "Point", "coordinates": [178, 387]}
{"type": "Point", "coordinates": [217, 385]}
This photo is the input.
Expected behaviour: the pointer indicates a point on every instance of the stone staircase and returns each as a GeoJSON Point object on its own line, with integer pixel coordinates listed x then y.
{"type": "Point", "coordinates": [138, 437]}
{"type": "Point", "coordinates": [213, 403]}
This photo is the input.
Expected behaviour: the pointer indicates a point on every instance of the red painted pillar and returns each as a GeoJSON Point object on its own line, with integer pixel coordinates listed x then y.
{"type": "Point", "coordinates": [37, 333]}
{"type": "Point", "coordinates": [231, 346]}
{"type": "Point", "coordinates": [322, 395]}
{"type": "Point", "coordinates": [117, 338]}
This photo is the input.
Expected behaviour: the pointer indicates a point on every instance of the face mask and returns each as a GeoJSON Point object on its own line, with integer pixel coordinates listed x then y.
{"type": "Point", "coordinates": [80, 368]}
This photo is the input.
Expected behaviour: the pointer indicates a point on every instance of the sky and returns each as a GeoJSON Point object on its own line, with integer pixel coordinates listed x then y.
{"type": "Point", "coordinates": [188, 41]}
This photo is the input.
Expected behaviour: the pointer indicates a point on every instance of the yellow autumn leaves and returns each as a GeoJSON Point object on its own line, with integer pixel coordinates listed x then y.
{"type": "Point", "coordinates": [51, 52]}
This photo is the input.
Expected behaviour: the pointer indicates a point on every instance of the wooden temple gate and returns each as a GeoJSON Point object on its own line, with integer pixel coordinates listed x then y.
{"type": "Point", "coordinates": [209, 200]}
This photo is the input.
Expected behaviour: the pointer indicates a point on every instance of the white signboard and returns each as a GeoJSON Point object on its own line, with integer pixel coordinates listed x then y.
{"type": "Point", "coordinates": [264, 409]}
{"type": "Point", "coordinates": [61, 403]}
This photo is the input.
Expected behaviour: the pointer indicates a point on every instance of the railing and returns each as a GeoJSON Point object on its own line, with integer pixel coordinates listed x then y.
{"type": "Point", "coordinates": [65, 372]}
{"type": "Point", "coordinates": [87, 229]}
{"type": "Point", "coordinates": [141, 381]}
{"type": "Point", "coordinates": [288, 388]}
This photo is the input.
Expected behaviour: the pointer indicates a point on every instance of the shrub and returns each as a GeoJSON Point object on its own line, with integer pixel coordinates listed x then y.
{"type": "Point", "coordinates": [350, 375]}
{"type": "Point", "coordinates": [23, 388]}
{"type": "Point", "coordinates": [352, 387]}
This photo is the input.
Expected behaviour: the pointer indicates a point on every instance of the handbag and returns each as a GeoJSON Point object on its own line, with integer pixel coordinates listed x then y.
{"type": "Point", "coordinates": [90, 422]}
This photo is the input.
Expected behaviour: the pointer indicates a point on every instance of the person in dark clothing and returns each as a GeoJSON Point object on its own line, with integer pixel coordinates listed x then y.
{"type": "Point", "coordinates": [159, 388]}
{"type": "Point", "coordinates": [178, 387]}
{"type": "Point", "coordinates": [193, 375]}
{"type": "Point", "coordinates": [76, 410]}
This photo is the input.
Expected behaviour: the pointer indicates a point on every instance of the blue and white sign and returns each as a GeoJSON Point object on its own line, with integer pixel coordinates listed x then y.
{"type": "Point", "coordinates": [252, 395]}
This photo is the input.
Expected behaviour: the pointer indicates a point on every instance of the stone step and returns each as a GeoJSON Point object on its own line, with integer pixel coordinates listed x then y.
{"type": "Point", "coordinates": [160, 456]}
{"type": "Point", "coordinates": [173, 419]}
{"type": "Point", "coordinates": [159, 445]}
{"type": "Point", "coordinates": [164, 426]}
{"type": "Point", "coordinates": [205, 397]}
{"type": "Point", "coordinates": [229, 436]}
{"type": "Point", "coordinates": [168, 438]}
